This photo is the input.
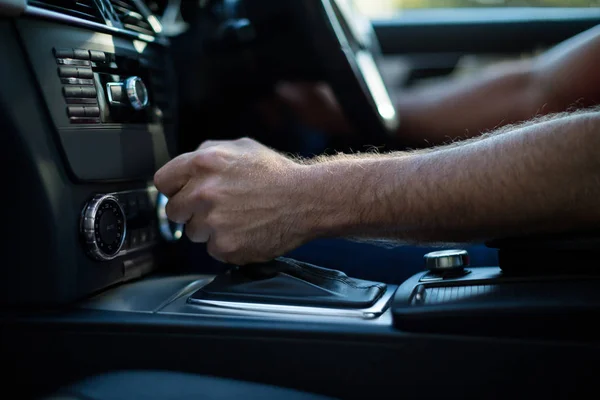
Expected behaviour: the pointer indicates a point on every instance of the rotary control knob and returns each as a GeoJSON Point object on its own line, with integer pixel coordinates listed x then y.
{"type": "Point", "coordinates": [131, 92]}
{"type": "Point", "coordinates": [169, 230]}
{"type": "Point", "coordinates": [447, 261]}
{"type": "Point", "coordinates": [103, 227]}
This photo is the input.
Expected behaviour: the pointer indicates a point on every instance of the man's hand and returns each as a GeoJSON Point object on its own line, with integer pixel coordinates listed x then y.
{"type": "Point", "coordinates": [240, 197]}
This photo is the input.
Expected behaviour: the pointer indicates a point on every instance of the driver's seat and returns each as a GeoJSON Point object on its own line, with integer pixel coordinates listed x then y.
{"type": "Point", "coordinates": [163, 385]}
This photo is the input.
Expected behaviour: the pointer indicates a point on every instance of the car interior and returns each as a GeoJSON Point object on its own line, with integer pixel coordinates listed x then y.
{"type": "Point", "coordinates": [102, 297]}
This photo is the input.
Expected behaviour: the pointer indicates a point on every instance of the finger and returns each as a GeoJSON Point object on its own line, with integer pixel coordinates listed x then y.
{"type": "Point", "coordinates": [197, 230]}
{"type": "Point", "coordinates": [211, 143]}
{"type": "Point", "coordinates": [174, 175]}
{"type": "Point", "coordinates": [181, 207]}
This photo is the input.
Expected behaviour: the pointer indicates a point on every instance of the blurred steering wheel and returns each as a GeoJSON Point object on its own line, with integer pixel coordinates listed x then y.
{"type": "Point", "coordinates": [346, 48]}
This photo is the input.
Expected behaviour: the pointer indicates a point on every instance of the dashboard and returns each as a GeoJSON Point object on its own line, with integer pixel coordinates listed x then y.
{"type": "Point", "coordinates": [89, 110]}
{"type": "Point", "coordinates": [89, 115]}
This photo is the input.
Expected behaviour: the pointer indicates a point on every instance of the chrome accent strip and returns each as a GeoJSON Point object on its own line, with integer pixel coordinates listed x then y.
{"type": "Point", "coordinates": [55, 16]}
{"type": "Point", "coordinates": [365, 313]}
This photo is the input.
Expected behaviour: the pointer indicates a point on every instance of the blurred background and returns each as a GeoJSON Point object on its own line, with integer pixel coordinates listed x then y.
{"type": "Point", "coordinates": [391, 8]}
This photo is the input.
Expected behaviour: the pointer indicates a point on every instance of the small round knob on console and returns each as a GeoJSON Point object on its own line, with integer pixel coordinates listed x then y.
{"type": "Point", "coordinates": [169, 230]}
{"type": "Point", "coordinates": [131, 92]}
{"type": "Point", "coordinates": [136, 92]}
{"type": "Point", "coordinates": [447, 260]}
{"type": "Point", "coordinates": [103, 227]}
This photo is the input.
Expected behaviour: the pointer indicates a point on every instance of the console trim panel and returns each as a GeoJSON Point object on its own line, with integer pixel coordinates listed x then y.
{"type": "Point", "coordinates": [372, 312]}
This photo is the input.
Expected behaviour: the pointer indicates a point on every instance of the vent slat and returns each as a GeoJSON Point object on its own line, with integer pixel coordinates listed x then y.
{"type": "Point", "coordinates": [84, 9]}
{"type": "Point", "coordinates": [131, 17]}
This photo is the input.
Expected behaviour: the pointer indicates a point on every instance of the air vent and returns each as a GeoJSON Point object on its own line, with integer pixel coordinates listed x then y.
{"type": "Point", "coordinates": [84, 9]}
{"type": "Point", "coordinates": [130, 16]}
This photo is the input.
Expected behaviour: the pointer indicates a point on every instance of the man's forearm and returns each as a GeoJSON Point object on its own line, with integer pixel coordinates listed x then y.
{"type": "Point", "coordinates": [539, 178]}
{"type": "Point", "coordinates": [559, 79]}
{"type": "Point", "coordinates": [463, 108]}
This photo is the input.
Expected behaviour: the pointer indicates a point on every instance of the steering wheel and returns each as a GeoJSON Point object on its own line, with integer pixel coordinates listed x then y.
{"type": "Point", "coordinates": [346, 48]}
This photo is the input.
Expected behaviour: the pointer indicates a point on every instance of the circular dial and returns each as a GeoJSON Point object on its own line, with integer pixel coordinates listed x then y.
{"type": "Point", "coordinates": [447, 260]}
{"type": "Point", "coordinates": [104, 227]}
{"type": "Point", "coordinates": [136, 92]}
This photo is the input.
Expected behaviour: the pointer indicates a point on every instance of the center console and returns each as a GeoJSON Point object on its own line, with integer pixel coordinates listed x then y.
{"type": "Point", "coordinates": [89, 113]}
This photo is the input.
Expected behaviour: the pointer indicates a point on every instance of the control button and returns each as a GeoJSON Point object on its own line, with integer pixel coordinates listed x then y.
{"type": "Point", "coordinates": [132, 206]}
{"type": "Point", "coordinates": [115, 93]}
{"type": "Point", "coordinates": [447, 260]}
{"type": "Point", "coordinates": [81, 54]}
{"type": "Point", "coordinates": [82, 63]}
{"type": "Point", "coordinates": [63, 53]}
{"type": "Point", "coordinates": [85, 73]}
{"type": "Point", "coordinates": [131, 91]}
{"type": "Point", "coordinates": [92, 111]}
{"type": "Point", "coordinates": [75, 111]}
{"type": "Point", "coordinates": [134, 238]}
{"type": "Point", "coordinates": [72, 91]}
{"type": "Point", "coordinates": [136, 92]}
{"type": "Point", "coordinates": [76, 81]}
{"type": "Point", "coordinates": [144, 202]}
{"type": "Point", "coordinates": [88, 91]}
{"type": "Point", "coordinates": [103, 227]}
{"type": "Point", "coordinates": [97, 56]}
{"type": "Point", "coordinates": [144, 236]}
{"type": "Point", "coordinates": [68, 72]}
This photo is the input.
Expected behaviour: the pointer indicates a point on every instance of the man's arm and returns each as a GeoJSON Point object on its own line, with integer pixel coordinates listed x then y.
{"type": "Point", "coordinates": [539, 178]}
{"type": "Point", "coordinates": [563, 77]}
{"type": "Point", "coordinates": [252, 204]}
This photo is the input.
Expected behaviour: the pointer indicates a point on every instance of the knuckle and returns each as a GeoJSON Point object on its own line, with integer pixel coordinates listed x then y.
{"type": "Point", "coordinates": [207, 143]}
{"type": "Point", "coordinates": [216, 221]}
{"type": "Point", "coordinates": [198, 161]}
{"type": "Point", "coordinates": [209, 158]}
{"type": "Point", "coordinates": [245, 140]}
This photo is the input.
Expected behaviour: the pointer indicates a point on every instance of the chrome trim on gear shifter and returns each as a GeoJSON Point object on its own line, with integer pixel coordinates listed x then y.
{"type": "Point", "coordinates": [364, 313]}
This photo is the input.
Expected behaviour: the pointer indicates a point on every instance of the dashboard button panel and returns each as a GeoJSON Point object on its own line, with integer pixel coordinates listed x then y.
{"type": "Point", "coordinates": [110, 229]}
{"type": "Point", "coordinates": [92, 111]}
{"type": "Point", "coordinates": [97, 56]}
{"type": "Point", "coordinates": [81, 54]}
{"type": "Point", "coordinates": [75, 111]}
{"type": "Point", "coordinates": [68, 72]}
{"type": "Point", "coordinates": [77, 76]}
